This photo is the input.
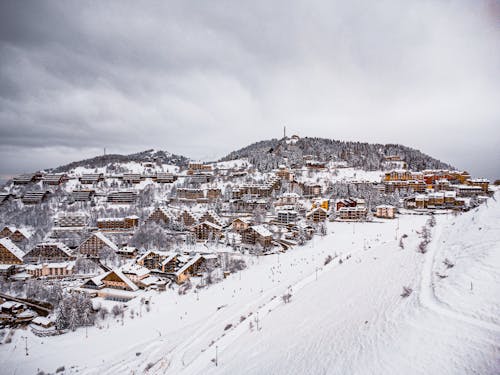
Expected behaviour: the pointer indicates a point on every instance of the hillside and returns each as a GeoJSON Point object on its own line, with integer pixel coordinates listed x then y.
{"type": "Point", "coordinates": [161, 157]}
{"type": "Point", "coordinates": [268, 154]}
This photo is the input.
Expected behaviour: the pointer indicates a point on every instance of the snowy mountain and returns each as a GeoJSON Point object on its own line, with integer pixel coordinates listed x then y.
{"type": "Point", "coordinates": [268, 154]}
{"type": "Point", "coordinates": [153, 156]}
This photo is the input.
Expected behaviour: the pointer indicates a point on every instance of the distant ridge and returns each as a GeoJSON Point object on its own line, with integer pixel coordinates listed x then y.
{"type": "Point", "coordinates": [144, 156]}
{"type": "Point", "coordinates": [268, 154]}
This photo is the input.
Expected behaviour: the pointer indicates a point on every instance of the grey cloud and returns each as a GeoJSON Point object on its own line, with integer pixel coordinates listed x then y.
{"type": "Point", "coordinates": [202, 79]}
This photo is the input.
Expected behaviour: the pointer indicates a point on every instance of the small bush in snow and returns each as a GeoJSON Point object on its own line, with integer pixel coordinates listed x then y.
{"type": "Point", "coordinates": [448, 263]}
{"type": "Point", "coordinates": [406, 291]}
{"type": "Point", "coordinates": [401, 244]}
{"type": "Point", "coordinates": [229, 326]}
{"type": "Point", "coordinates": [286, 297]}
{"type": "Point", "coordinates": [60, 369]}
{"type": "Point", "coordinates": [328, 259]}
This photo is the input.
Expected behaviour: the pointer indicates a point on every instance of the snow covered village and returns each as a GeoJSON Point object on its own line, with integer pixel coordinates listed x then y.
{"type": "Point", "coordinates": [251, 188]}
{"type": "Point", "coordinates": [175, 259]}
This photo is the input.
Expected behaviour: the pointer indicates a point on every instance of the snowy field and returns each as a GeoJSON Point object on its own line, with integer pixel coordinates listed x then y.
{"type": "Point", "coordinates": [343, 318]}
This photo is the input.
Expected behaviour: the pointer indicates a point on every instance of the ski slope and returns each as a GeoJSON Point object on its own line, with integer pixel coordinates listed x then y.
{"type": "Point", "coordinates": [343, 318]}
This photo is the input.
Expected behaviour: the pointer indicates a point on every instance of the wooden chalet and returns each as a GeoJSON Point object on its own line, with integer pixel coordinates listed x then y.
{"type": "Point", "coordinates": [205, 230]}
{"type": "Point", "coordinates": [257, 234]}
{"type": "Point", "coordinates": [317, 215]}
{"type": "Point", "coordinates": [95, 243]}
{"type": "Point", "coordinates": [240, 224]}
{"type": "Point", "coordinates": [213, 193]}
{"type": "Point", "coordinates": [7, 231]}
{"type": "Point", "coordinates": [153, 259]}
{"type": "Point", "coordinates": [10, 253]}
{"type": "Point", "coordinates": [122, 197]}
{"type": "Point", "coordinates": [128, 252]}
{"type": "Point", "coordinates": [24, 179]}
{"type": "Point", "coordinates": [287, 216]}
{"type": "Point", "coordinates": [117, 224]}
{"type": "Point", "coordinates": [51, 270]}
{"type": "Point", "coordinates": [164, 178]}
{"type": "Point", "coordinates": [160, 216]}
{"type": "Point", "coordinates": [188, 218]}
{"type": "Point", "coordinates": [20, 235]}
{"type": "Point", "coordinates": [132, 178]}
{"type": "Point", "coordinates": [91, 178]}
{"type": "Point", "coordinates": [34, 197]}
{"type": "Point", "coordinates": [212, 217]}
{"type": "Point", "coordinates": [117, 280]}
{"type": "Point", "coordinates": [82, 195]}
{"type": "Point", "coordinates": [189, 194]}
{"type": "Point", "coordinates": [49, 252]}
{"type": "Point", "coordinates": [54, 179]}
{"type": "Point", "coordinates": [191, 268]}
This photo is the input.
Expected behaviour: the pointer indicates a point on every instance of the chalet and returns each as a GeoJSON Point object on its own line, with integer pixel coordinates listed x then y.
{"type": "Point", "coordinates": [212, 217]}
{"type": "Point", "coordinates": [6, 270]}
{"type": "Point", "coordinates": [317, 215]}
{"type": "Point", "coordinates": [95, 243]}
{"type": "Point", "coordinates": [240, 224]}
{"type": "Point", "coordinates": [349, 202]}
{"type": "Point", "coordinates": [198, 166]}
{"type": "Point", "coordinates": [191, 268]}
{"type": "Point", "coordinates": [213, 193]}
{"type": "Point", "coordinates": [24, 179]}
{"type": "Point", "coordinates": [172, 262]}
{"type": "Point", "coordinates": [132, 178]}
{"type": "Point", "coordinates": [118, 224]}
{"type": "Point", "coordinates": [352, 213]}
{"type": "Point", "coordinates": [122, 197]}
{"type": "Point", "coordinates": [117, 280]}
{"type": "Point", "coordinates": [206, 230]}
{"type": "Point", "coordinates": [34, 197]}
{"type": "Point", "coordinates": [257, 234]}
{"type": "Point", "coordinates": [311, 190]}
{"type": "Point", "coordinates": [54, 179]}
{"type": "Point", "coordinates": [50, 252]}
{"type": "Point", "coordinates": [468, 190]}
{"type": "Point", "coordinates": [386, 211]}
{"type": "Point", "coordinates": [7, 231]}
{"type": "Point", "coordinates": [164, 178]}
{"type": "Point", "coordinates": [135, 272]}
{"type": "Point", "coordinates": [81, 195]}
{"type": "Point", "coordinates": [51, 270]}
{"type": "Point", "coordinates": [160, 216]}
{"type": "Point", "coordinates": [10, 253]}
{"type": "Point", "coordinates": [315, 164]}
{"type": "Point", "coordinates": [71, 219]}
{"type": "Point", "coordinates": [200, 178]}
{"type": "Point", "coordinates": [91, 178]}
{"type": "Point", "coordinates": [129, 252]}
{"type": "Point", "coordinates": [483, 183]}
{"type": "Point", "coordinates": [287, 216]}
{"type": "Point", "coordinates": [20, 235]}
{"type": "Point", "coordinates": [43, 322]}
{"type": "Point", "coordinates": [153, 259]}
{"type": "Point", "coordinates": [188, 218]}
{"type": "Point", "coordinates": [189, 193]}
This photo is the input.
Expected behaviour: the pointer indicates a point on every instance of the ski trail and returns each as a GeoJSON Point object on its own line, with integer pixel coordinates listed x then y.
{"type": "Point", "coordinates": [428, 298]}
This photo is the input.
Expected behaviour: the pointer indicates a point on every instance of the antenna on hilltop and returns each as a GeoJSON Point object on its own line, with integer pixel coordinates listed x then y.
{"type": "Point", "coordinates": [104, 151]}
{"type": "Point", "coordinates": [284, 131]}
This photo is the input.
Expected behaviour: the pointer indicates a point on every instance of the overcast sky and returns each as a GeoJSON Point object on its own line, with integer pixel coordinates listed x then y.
{"type": "Point", "coordinates": [202, 78]}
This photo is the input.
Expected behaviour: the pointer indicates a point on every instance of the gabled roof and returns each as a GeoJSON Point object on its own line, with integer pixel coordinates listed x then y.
{"type": "Point", "coordinates": [210, 224]}
{"type": "Point", "coordinates": [261, 230]}
{"type": "Point", "coordinates": [122, 277]}
{"type": "Point", "coordinates": [106, 240]}
{"type": "Point", "coordinates": [189, 264]}
{"type": "Point", "coordinates": [12, 248]}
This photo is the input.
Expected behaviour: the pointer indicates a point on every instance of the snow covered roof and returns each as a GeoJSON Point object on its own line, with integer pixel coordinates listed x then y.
{"type": "Point", "coordinates": [124, 278]}
{"type": "Point", "coordinates": [261, 230]}
{"type": "Point", "coordinates": [189, 264]}
{"type": "Point", "coordinates": [106, 240]}
{"type": "Point", "coordinates": [12, 248]}
{"type": "Point", "coordinates": [210, 224]}
{"type": "Point", "coordinates": [135, 269]}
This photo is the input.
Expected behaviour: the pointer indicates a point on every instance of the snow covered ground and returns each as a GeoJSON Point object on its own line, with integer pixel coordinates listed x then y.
{"type": "Point", "coordinates": [343, 318]}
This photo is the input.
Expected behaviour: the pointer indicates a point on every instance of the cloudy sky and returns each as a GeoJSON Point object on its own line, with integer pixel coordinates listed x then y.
{"type": "Point", "coordinates": [201, 78]}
